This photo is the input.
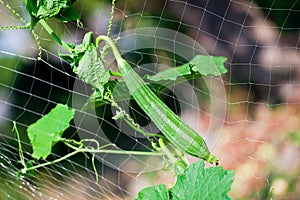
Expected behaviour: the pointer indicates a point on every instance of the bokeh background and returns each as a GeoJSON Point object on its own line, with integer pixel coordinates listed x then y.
{"type": "Point", "coordinates": [259, 137]}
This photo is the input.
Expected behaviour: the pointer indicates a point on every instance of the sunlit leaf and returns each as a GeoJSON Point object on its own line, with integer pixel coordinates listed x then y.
{"type": "Point", "coordinates": [208, 65]}
{"type": "Point", "coordinates": [48, 130]}
{"type": "Point", "coordinates": [171, 73]}
{"type": "Point", "coordinates": [87, 64]}
{"type": "Point", "coordinates": [196, 182]}
{"type": "Point", "coordinates": [159, 192]}
{"type": "Point", "coordinates": [92, 70]}
{"type": "Point", "coordinates": [203, 183]}
{"type": "Point", "coordinates": [200, 64]}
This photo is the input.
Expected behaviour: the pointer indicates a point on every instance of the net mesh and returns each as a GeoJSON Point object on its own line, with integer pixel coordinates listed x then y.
{"type": "Point", "coordinates": [249, 117]}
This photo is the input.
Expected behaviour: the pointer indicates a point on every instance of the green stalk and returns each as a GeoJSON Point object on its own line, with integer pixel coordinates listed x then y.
{"type": "Point", "coordinates": [111, 44]}
{"type": "Point", "coordinates": [145, 133]}
{"type": "Point", "coordinates": [114, 73]}
{"type": "Point", "coordinates": [22, 160]}
{"type": "Point", "coordinates": [54, 36]}
{"type": "Point", "coordinates": [166, 151]}
{"type": "Point", "coordinates": [89, 150]}
{"type": "Point", "coordinates": [52, 162]}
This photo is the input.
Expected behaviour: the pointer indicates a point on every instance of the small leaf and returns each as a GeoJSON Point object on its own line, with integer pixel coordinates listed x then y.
{"type": "Point", "coordinates": [171, 73]}
{"type": "Point", "coordinates": [203, 183]}
{"type": "Point", "coordinates": [48, 130]}
{"type": "Point", "coordinates": [87, 65]}
{"type": "Point", "coordinates": [200, 64]}
{"type": "Point", "coordinates": [208, 65]}
{"type": "Point", "coordinates": [69, 14]}
{"type": "Point", "coordinates": [158, 192]}
{"type": "Point", "coordinates": [44, 9]}
{"type": "Point", "coordinates": [91, 69]}
{"type": "Point", "coordinates": [24, 172]}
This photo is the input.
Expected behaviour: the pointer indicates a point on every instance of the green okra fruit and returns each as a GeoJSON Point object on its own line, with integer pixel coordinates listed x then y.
{"type": "Point", "coordinates": [171, 125]}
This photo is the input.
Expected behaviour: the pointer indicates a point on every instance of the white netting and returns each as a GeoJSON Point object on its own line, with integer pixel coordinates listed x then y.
{"type": "Point", "coordinates": [249, 117]}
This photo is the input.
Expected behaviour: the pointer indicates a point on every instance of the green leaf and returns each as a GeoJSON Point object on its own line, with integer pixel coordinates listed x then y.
{"type": "Point", "coordinates": [195, 183]}
{"type": "Point", "coordinates": [44, 9]}
{"type": "Point", "coordinates": [159, 192]}
{"type": "Point", "coordinates": [200, 64]}
{"type": "Point", "coordinates": [48, 130]}
{"type": "Point", "coordinates": [27, 173]}
{"type": "Point", "coordinates": [208, 65]}
{"type": "Point", "coordinates": [91, 70]}
{"type": "Point", "coordinates": [78, 50]}
{"type": "Point", "coordinates": [87, 65]}
{"type": "Point", "coordinates": [171, 73]}
{"type": "Point", "coordinates": [69, 14]}
{"type": "Point", "coordinates": [202, 183]}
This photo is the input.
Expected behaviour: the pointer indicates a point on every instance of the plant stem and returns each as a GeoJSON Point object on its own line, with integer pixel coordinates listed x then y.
{"type": "Point", "coordinates": [89, 150]}
{"type": "Point", "coordinates": [13, 11]}
{"type": "Point", "coordinates": [22, 160]}
{"type": "Point", "coordinates": [52, 162]}
{"type": "Point", "coordinates": [99, 150]}
{"type": "Point", "coordinates": [139, 153]}
{"type": "Point", "coordinates": [111, 17]}
{"type": "Point", "coordinates": [114, 73]}
{"type": "Point", "coordinates": [54, 36]}
{"type": "Point", "coordinates": [82, 149]}
{"type": "Point", "coordinates": [145, 133]}
{"type": "Point", "coordinates": [111, 44]}
{"type": "Point", "coordinates": [166, 151]}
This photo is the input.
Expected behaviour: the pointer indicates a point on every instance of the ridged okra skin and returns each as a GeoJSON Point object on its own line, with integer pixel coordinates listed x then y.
{"type": "Point", "coordinates": [174, 129]}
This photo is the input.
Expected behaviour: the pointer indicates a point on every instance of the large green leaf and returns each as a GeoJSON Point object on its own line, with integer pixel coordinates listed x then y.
{"type": "Point", "coordinates": [195, 183]}
{"type": "Point", "coordinates": [159, 192]}
{"type": "Point", "coordinates": [201, 183]}
{"type": "Point", "coordinates": [48, 130]}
